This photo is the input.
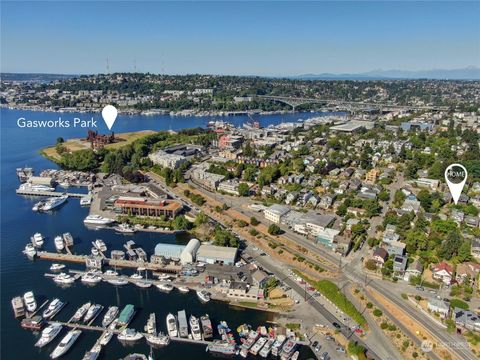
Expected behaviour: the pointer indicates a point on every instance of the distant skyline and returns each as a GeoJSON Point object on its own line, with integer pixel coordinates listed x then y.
{"type": "Point", "coordinates": [238, 38]}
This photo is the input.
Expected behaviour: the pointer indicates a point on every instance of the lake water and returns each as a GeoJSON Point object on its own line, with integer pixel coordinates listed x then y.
{"type": "Point", "coordinates": [20, 147]}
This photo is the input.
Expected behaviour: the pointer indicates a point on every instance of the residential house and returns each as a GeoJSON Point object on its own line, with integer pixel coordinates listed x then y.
{"type": "Point", "coordinates": [390, 235]}
{"type": "Point", "coordinates": [259, 278]}
{"type": "Point", "coordinates": [439, 307]}
{"type": "Point", "coordinates": [399, 263]}
{"type": "Point", "coordinates": [415, 269]}
{"type": "Point", "coordinates": [443, 272]}
{"type": "Point", "coordinates": [411, 205]}
{"type": "Point", "coordinates": [472, 221]}
{"type": "Point", "coordinates": [475, 248]}
{"type": "Point", "coordinates": [395, 247]}
{"type": "Point", "coordinates": [326, 201]}
{"type": "Point", "coordinates": [466, 273]}
{"type": "Point", "coordinates": [380, 255]}
{"type": "Point", "coordinates": [466, 319]}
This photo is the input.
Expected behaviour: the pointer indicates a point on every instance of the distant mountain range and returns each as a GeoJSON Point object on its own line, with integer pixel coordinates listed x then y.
{"type": "Point", "coordinates": [469, 73]}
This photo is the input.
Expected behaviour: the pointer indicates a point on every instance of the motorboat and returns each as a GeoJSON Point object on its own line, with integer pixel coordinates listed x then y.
{"type": "Point", "coordinates": [38, 206]}
{"type": "Point", "coordinates": [34, 323]}
{"type": "Point", "coordinates": [100, 245]}
{"type": "Point", "coordinates": [157, 340]}
{"type": "Point", "coordinates": [48, 334]}
{"type": "Point", "coordinates": [117, 282]}
{"type": "Point", "coordinates": [277, 346]}
{"type": "Point", "coordinates": [110, 315]}
{"type": "Point", "coordinates": [172, 325]}
{"type": "Point", "coordinates": [129, 335]}
{"type": "Point", "coordinates": [86, 200]}
{"type": "Point", "coordinates": [64, 279]}
{"type": "Point", "coordinates": [126, 315]}
{"type": "Point", "coordinates": [151, 326]}
{"type": "Point", "coordinates": [165, 287]}
{"type": "Point", "coordinates": [93, 353]}
{"type": "Point", "coordinates": [288, 349]}
{"type": "Point", "coordinates": [195, 328]}
{"type": "Point", "coordinates": [110, 272]}
{"type": "Point", "coordinates": [203, 295]}
{"type": "Point", "coordinates": [124, 229]}
{"type": "Point", "coordinates": [91, 278]}
{"type": "Point", "coordinates": [105, 338]}
{"type": "Point", "coordinates": [53, 308]}
{"type": "Point", "coordinates": [30, 302]}
{"type": "Point", "coordinates": [258, 345]}
{"type": "Point", "coordinates": [58, 241]}
{"type": "Point", "coordinates": [136, 277]}
{"type": "Point", "coordinates": [267, 348]}
{"type": "Point", "coordinates": [92, 312]}
{"type": "Point", "coordinates": [80, 313]}
{"type": "Point", "coordinates": [54, 202]}
{"type": "Point", "coordinates": [207, 328]}
{"type": "Point", "coordinates": [37, 240]}
{"type": "Point", "coordinates": [183, 289]}
{"type": "Point", "coordinates": [66, 343]}
{"type": "Point", "coordinates": [95, 251]}
{"type": "Point", "coordinates": [57, 267]}
{"type": "Point", "coordinates": [222, 347]}
{"type": "Point", "coordinates": [295, 355]}
{"type": "Point", "coordinates": [30, 250]}
{"type": "Point", "coordinates": [68, 239]}
{"type": "Point", "coordinates": [97, 220]}
{"type": "Point", "coordinates": [249, 342]}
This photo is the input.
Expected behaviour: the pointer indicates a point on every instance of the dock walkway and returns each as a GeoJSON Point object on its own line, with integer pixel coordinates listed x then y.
{"type": "Point", "coordinates": [48, 193]}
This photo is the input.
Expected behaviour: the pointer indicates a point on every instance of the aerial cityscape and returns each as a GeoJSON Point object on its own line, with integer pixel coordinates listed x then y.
{"type": "Point", "coordinates": [185, 200]}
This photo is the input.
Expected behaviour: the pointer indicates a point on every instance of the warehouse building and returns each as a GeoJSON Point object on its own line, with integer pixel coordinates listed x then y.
{"type": "Point", "coordinates": [212, 254]}
{"type": "Point", "coordinates": [147, 207]}
{"type": "Point", "coordinates": [189, 254]}
{"type": "Point", "coordinates": [169, 251]}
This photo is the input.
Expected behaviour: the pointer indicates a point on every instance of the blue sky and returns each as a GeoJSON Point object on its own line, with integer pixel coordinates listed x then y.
{"type": "Point", "coordinates": [261, 38]}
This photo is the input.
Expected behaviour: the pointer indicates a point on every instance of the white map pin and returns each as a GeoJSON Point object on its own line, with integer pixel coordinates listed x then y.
{"type": "Point", "coordinates": [109, 114]}
{"type": "Point", "coordinates": [456, 188]}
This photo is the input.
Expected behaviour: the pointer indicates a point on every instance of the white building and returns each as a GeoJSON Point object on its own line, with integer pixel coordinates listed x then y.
{"type": "Point", "coordinates": [164, 159]}
{"type": "Point", "coordinates": [189, 253]}
{"type": "Point", "coordinates": [275, 212]}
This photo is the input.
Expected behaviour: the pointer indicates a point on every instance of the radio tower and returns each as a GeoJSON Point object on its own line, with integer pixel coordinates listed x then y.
{"type": "Point", "coordinates": [108, 66]}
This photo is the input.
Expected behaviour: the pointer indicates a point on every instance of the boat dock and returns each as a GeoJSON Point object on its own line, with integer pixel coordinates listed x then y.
{"type": "Point", "coordinates": [48, 193]}
{"type": "Point", "coordinates": [131, 264]}
{"type": "Point", "coordinates": [118, 331]}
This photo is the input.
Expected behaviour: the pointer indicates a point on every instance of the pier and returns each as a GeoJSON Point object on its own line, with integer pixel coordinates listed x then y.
{"type": "Point", "coordinates": [48, 193]}
{"type": "Point", "coordinates": [131, 264]}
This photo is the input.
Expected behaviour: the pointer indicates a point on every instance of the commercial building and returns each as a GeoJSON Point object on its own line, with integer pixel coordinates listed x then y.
{"type": "Point", "coordinates": [212, 254]}
{"type": "Point", "coordinates": [275, 212]}
{"type": "Point", "coordinates": [200, 176]}
{"type": "Point", "coordinates": [229, 186]}
{"type": "Point", "coordinates": [147, 207]}
{"type": "Point", "coordinates": [169, 251]}
{"type": "Point", "coordinates": [165, 159]}
{"type": "Point", "coordinates": [189, 254]}
{"type": "Point", "coordinates": [353, 126]}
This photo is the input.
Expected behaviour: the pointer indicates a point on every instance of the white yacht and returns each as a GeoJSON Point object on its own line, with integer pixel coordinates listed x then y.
{"type": "Point", "coordinates": [86, 200]}
{"type": "Point", "coordinates": [110, 272]}
{"type": "Point", "coordinates": [39, 205]}
{"type": "Point", "coordinates": [195, 328]}
{"type": "Point", "coordinates": [54, 202]}
{"type": "Point", "coordinates": [100, 245]}
{"type": "Point", "coordinates": [52, 309]}
{"type": "Point", "coordinates": [91, 278]}
{"type": "Point", "coordinates": [203, 295]}
{"type": "Point", "coordinates": [117, 282]}
{"type": "Point", "coordinates": [129, 335]}
{"type": "Point", "coordinates": [30, 250]}
{"type": "Point", "coordinates": [93, 353]}
{"type": "Point", "coordinates": [30, 302]}
{"type": "Point", "coordinates": [172, 325]}
{"type": "Point", "coordinates": [165, 287]}
{"type": "Point", "coordinates": [80, 313]}
{"type": "Point", "coordinates": [97, 220]}
{"type": "Point", "coordinates": [110, 315]}
{"type": "Point", "coordinates": [35, 188]}
{"type": "Point", "coordinates": [124, 228]}
{"type": "Point", "coordinates": [65, 344]}
{"type": "Point", "coordinates": [48, 334]}
{"type": "Point", "coordinates": [183, 289]}
{"type": "Point", "coordinates": [157, 340]}
{"type": "Point", "coordinates": [151, 326]}
{"type": "Point", "coordinates": [59, 243]}
{"type": "Point", "coordinates": [57, 267]}
{"type": "Point", "coordinates": [92, 312]}
{"type": "Point", "coordinates": [64, 278]}
{"type": "Point", "coordinates": [105, 338]}
{"type": "Point", "coordinates": [37, 240]}
{"type": "Point", "coordinates": [95, 251]}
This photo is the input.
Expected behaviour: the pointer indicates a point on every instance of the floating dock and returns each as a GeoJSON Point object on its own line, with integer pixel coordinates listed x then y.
{"type": "Point", "coordinates": [132, 264]}
{"type": "Point", "coordinates": [48, 193]}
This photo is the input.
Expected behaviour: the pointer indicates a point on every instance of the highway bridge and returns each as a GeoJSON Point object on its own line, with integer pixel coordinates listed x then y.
{"type": "Point", "coordinates": [294, 102]}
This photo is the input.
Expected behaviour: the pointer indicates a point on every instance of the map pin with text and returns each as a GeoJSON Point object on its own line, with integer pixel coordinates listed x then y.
{"type": "Point", "coordinates": [456, 176]}
{"type": "Point", "coordinates": [109, 114]}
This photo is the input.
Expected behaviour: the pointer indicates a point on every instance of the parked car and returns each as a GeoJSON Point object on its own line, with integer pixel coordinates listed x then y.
{"type": "Point", "coordinates": [317, 347]}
